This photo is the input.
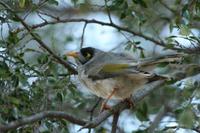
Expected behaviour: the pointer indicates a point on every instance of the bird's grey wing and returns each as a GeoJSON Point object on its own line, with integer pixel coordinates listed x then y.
{"type": "Point", "coordinates": [112, 65]}
{"type": "Point", "coordinates": [111, 70]}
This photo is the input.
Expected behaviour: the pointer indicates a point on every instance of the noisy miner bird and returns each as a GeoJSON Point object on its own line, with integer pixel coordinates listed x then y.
{"type": "Point", "coordinates": [115, 75]}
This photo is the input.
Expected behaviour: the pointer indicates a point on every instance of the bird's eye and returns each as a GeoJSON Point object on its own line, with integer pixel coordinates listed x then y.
{"type": "Point", "coordinates": [88, 55]}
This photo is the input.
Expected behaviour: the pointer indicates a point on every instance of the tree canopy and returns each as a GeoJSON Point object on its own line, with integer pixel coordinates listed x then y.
{"type": "Point", "coordinates": [39, 88]}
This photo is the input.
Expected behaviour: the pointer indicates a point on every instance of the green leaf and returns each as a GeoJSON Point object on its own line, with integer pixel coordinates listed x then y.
{"type": "Point", "coordinates": [23, 79]}
{"type": "Point", "coordinates": [163, 64]}
{"type": "Point", "coordinates": [142, 54]}
{"type": "Point", "coordinates": [53, 2]}
{"type": "Point", "coordinates": [137, 43]}
{"type": "Point", "coordinates": [125, 5]}
{"type": "Point", "coordinates": [15, 80]}
{"type": "Point", "coordinates": [170, 37]}
{"type": "Point", "coordinates": [142, 112]}
{"type": "Point", "coordinates": [14, 100]}
{"type": "Point", "coordinates": [140, 131]}
{"type": "Point", "coordinates": [43, 59]}
{"type": "Point", "coordinates": [171, 26]}
{"type": "Point", "coordinates": [13, 38]}
{"type": "Point", "coordinates": [15, 113]}
{"type": "Point", "coordinates": [75, 2]}
{"type": "Point", "coordinates": [14, 18]}
{"type": "Point", "coordinates": [60, 96]}
{"type": "Point", "coordinates": [22, 3]}
{"type": "Point", "coordinates": [69, 39]}
{"type": "Point", "coordinates": [4, 70]}
{"type": "Point", "coordinates": [123, 15]}
{"type": "Point", "coordinates": [186, 118]}
{"type": "Point", "coordinates": [118, 3]}
{"type": "Point", "coordinates": [140, 2]}
{"type": "Point", "coordinates": [72, 89]}
{"type": "Point", "coordinates": [179, 110]}
{"type": "Point", "coordinates": [184, 30]}
{"type": "Point", "coordinates": [169, 46]}
{"type": "Point", "coordinates": [52, 81]}
{"type": "Point", "coordinates": [128, 46]}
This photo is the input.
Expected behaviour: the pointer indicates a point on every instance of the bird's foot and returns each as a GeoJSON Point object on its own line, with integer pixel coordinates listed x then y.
{"type": "Point", "coordinates": [104, 106]}
{"type": "Point", "coordinates": [130, 102]}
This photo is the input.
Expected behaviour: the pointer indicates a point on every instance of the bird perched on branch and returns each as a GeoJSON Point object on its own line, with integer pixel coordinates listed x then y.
{"type": "Point", "coordinates": [116, 75]}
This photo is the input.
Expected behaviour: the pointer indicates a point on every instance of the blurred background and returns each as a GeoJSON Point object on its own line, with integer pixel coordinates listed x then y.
{"type": "Point", "coordinates": [33, 79]}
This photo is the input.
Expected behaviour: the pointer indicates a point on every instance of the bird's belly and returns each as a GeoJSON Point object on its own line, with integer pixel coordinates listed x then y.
{"type": "Point", "coordinates": [103, 88]}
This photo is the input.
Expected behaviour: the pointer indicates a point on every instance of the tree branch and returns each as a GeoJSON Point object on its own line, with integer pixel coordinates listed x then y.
{"type": "Point", "coordinates": [126, 29]}
{"type": "Point", "coordinates": [38, 117]}
{"type": "Point", "coordinates": [120, 28]}
{"type": "Point", "coordinates": [161, 43]}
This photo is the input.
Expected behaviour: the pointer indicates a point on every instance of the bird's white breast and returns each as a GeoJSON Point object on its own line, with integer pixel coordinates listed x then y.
{"type": "Point", "coordinates": [103, 88]}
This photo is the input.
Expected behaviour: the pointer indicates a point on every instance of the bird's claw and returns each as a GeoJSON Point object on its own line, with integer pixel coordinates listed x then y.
{"type": "Point", "coordinates": [104, 106]}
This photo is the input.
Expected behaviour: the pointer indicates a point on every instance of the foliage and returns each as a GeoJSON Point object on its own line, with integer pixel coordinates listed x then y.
{"type": "Point", "coordinates": [34, 78]}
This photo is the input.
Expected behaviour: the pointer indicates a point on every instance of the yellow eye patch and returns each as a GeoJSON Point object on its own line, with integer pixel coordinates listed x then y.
{"type": "Point", "coordinates": [88, 55]}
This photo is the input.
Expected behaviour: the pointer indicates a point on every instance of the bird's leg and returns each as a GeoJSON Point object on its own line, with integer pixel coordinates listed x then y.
{"type": "Point", "coordinates": [129, 101]}
{"type": "Point", "coordinates": [104, 105]}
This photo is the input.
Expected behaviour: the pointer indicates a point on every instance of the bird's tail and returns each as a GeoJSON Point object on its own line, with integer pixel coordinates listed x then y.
{"type": "Point", "coordinates": [149, 64]}
{"type": "Point", "coordinates": [156, 77]}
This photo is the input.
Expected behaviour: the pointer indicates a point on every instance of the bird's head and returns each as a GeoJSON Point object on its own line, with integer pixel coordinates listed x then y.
{"type": "Point", "coordinates": [84, 55]}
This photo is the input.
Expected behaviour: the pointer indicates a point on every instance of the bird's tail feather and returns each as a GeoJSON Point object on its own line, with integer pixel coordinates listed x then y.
{"type": "Point", "coordinates": [149, 64]}
{"type": "Point", "coordinates": [156, 77]}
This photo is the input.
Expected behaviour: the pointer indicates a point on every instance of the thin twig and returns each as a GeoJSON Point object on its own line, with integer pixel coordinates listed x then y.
{"type": "Point", "coordinates": [167, 7]}
{"type": "Point", "coordinates": [92, 111]}
{"type": "Point", "coordinates": [82, 37]}
{"type": "Point", "coordinates": [157, 119]}
{"type": "Point", "coordinates": [115, 121]}
{"type": "Point", "coordinates": [49, 15]}
{"type": "Point", "coordinates": [40, 16]}
{"type": "Point", "coordinates": [108, 11]}
{"type": "Point", "coordinates": [42, 3]}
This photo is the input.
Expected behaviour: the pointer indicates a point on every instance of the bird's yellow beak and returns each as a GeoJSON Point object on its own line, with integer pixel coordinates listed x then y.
{"type": "Point", "coordinates": [73, 54]}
